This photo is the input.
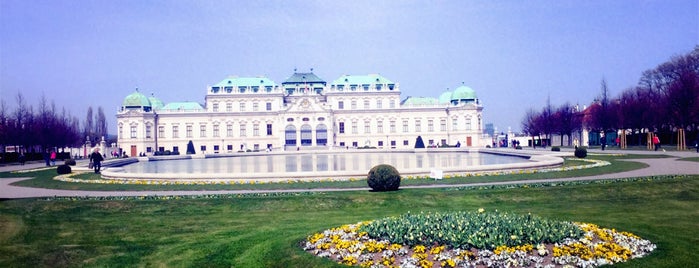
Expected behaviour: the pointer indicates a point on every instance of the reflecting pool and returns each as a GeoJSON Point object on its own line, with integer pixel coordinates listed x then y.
{"type": "Point", "coordinates": [316, 163]}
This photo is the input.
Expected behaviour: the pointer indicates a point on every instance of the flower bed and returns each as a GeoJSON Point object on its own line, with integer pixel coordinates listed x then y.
{"type": "Point", "coordinates": [432, 245]}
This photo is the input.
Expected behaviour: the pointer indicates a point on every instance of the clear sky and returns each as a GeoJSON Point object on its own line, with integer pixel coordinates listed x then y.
{"type": "Point", "coordinates": [514, 54]}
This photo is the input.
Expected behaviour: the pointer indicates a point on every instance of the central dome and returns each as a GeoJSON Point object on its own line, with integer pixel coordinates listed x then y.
{"type": "Point", "coordinates": [136, 99]}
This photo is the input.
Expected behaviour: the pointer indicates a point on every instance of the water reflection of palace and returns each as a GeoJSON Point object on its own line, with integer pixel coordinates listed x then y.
{"type": "Point", "coordinates": [322, 162]}
{"type": "Point", "coordinates": [255, 113]}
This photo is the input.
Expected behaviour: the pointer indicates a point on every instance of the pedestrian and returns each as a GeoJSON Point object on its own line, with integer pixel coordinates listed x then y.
{"type": "Point", "coordinates": [22, 159]}
{"type": "Point", "coordinates": [46, 158]}
{"type": "Point", "coordinates": [575, 143]}
{"type": "Point", "coordinates": [696, 143]}
{"type": "Point", "coordinates": [96, 160]}
{"type": "Point", "coordinates": [53, 157]}
{"type": "Point", "coordinates": [656, 142]}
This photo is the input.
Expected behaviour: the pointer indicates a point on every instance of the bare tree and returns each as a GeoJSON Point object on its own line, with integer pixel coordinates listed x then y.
{"type": "Point", "coordinates": [100, 123]}
{"type": "Point", "coordinates": [89, 124]}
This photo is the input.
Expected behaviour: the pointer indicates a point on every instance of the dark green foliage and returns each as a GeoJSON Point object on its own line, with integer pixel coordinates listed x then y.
{"type": "Point", "coordinates": [419, 143]}
{"type": "Point", "coordinates": [190, 148]}
{"type": "Point", "coordinates": [70, 162]}
{"type": "Point", "coordinates": [484, 230]}
{"type": "Point", "coordinates": [383, 178]}
{"type": "Point", "coordinates": [63, 169]}
{"type": "Point", "coordinates": [518, 147]}
{"type": "Point", "coordinates": [581, 152]}
{"type": "Point", "coordinates": [555, 149]}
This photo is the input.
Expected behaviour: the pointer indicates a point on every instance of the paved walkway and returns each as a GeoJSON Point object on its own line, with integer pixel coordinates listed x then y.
{"type": "Point", "coordinates": [657, 166]}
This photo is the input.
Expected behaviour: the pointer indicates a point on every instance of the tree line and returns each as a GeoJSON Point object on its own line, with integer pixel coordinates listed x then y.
{"type": "Point", "coordinates": [34, 131]}
{"type": "Point", "coordinates": [665, 102]}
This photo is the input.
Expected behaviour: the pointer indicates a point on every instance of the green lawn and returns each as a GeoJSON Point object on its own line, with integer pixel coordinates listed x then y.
{"type": "Point", "coordinates": [264, 230]}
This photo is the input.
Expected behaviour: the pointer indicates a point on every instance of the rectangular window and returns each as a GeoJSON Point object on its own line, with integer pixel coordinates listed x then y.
{"type": "Point", "coordinates": [392, 104]}
{"type": "Point", "coordinates": [175, 132]}
{"type": "Point", "coordinates": [379, 103]}
{"type": "Point", "coordinates": [161, 131]}
{"type": "Point", "coordinates": [406, 143]}
{"type": "Point", "coordinates": [175, 148]}
{"type": "Point", "coordinates": [418, 126]}
{"type": "Point", "coordinates": [229, 130]}
{"type": "Point", "coordinates": [392, 125]}
{"type": "Point", "coordinates": [342, 127]}
{"type": "Point", "coordinates": [379, 126]}
{"type": "Point", "coordinates": [216, 148]}
{"type": "Point", "coordinates": [242, 107]}
{"type": "Point", "coordinates": [133, 132]}
{"type": "Point", "coordinates": [393, 144]}
{"type": "Point", "coordinates": [354, 105]}
{"type": "Point", "coordinates": [268, 106]}
{"type": "Point", "coordinates": [121, 132]}
{"type": "Point", "coordinates": [203, 148]}
{"type": "Point", "coordinates": [216, 132]}
{"type": "Point", "coordinates": [442, 125]}
{"type": "Point", "coordinates": [269, 129]}
{"type": "Point", "coordinates": [215, 107]}
{"type": "Point", "coordinates": [454, 124]}
{"type": "Point", "coordinates": [367, 127]}
{"type": "Point", "coordinates": [430, 125]}
{"type": "Point", "coordinates": [405, 126]}
{"type": "Point", "coordinates": [468, 123]}
{"type": "Point", "coordinates": [380, 143]}
{"type": "Point", "coordinates": [148, 131]}
{"type": "Point", "coordinates": [354, 128]}
{"type": "Point", "coordinates": [229, 147]}
{"type": "Point", "coordinates": [256, 130]}
{"type": "Point", "coordinates": [189, 131]}
{"type": "Point", "coordinates": [229, 107]}
{"type": "Point", "coordinates": [202, 131]}
{"type": "Point", "coordinates": [255, 106]}
{"type": "Point", "coordinates": [366, 104]}
{"type": "Point", "coordinates": [340, 105]}
{"type": "Point", "coordinates": [355, 144]}
{"type": "Point", "coordinates": [243, 130]}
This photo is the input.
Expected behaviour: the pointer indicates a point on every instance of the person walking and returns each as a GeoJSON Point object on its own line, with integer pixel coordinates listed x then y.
{"type": "Point", "coordinates": [53, 157]}
{"type": "Point", "coordinates": [96, 160]}
{"type": "Point", "coordinates": [656, 142]}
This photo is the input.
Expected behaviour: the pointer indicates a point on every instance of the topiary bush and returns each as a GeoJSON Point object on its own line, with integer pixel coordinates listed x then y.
{"type": "Point", "coordinates": [383, 178]}
{"type": "Point", "coordinates": [70, 162]}
{"type": "Point", "coordinates": [581, 152]}
{"type": "Point", "coordinates": [63, 169]}
{"type": "Point", "coordinates": [555, 149]}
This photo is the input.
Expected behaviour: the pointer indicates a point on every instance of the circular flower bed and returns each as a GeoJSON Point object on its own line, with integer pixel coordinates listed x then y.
{"type": "Point", "coordinates": [469, 239]}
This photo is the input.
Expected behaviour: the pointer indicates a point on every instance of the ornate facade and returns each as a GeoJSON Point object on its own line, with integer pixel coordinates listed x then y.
{"type": "Point", "coordinates": [255, 113]}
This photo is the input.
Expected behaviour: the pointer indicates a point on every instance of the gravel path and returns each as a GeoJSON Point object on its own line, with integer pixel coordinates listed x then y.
{"type": "Point", "coordinates": [657, 166]}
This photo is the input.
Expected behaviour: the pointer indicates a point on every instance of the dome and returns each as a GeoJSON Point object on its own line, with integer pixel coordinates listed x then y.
{"type": "Point", "coordinates": [156, 103]}
{"type": "Point", "coordinates": [445, 97]}
{"type": "Point", "coordinates": [463, 93]}
{"type": "Point", "coordinates": [136, 99]}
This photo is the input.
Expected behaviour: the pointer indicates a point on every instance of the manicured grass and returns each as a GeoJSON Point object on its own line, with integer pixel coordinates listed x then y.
{"type": "Point", "coordinates": [264, 230]}
{"type": "Point", "coordinates": [692, 159]}
{"type": "Point", "coordinates": [43, 179]}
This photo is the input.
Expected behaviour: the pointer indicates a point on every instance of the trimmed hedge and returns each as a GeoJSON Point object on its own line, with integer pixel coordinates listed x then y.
{"type": "Point", "coordinates": [383, 178]}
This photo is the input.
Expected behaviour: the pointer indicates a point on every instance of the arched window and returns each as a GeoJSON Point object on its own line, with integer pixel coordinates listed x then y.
{"type": "Point", "coordinates": [290, 135]}
{"type": "Point", "coordinates": [321, 135]}
{"type": "Point", "coordinates": [306, 135]}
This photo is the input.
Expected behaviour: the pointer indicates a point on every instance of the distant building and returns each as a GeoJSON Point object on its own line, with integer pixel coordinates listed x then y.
{"type": "Point", "coordinates": [255, 113]}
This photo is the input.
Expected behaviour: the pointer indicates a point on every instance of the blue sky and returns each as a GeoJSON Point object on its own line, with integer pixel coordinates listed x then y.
{"type": "Point", "coordinates": [515, 54]}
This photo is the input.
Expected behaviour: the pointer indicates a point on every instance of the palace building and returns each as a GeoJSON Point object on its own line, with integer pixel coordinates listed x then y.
{"type": "Point", "coordinates": [305, 111]}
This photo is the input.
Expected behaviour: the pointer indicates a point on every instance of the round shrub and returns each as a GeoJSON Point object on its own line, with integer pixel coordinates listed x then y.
{"type": "Point", "coordinates": [383, 178]}
{"type": "Point", "coordinates": [70, 162]}
{"type": "Point", "coordinates": [555, 149]}
{"type": "Point", "coordinates": [580, 152]}
{"type": "Point", "coordinates": [63, 169]}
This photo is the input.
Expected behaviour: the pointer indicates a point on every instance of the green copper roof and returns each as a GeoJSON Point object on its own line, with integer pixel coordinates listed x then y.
{"type": "Point", "coordinates": [185, 106]}
{"type": "Point", "coordinates": [419, 101]}
{"type": "Point", "coordinates": [445, 97]}
{"type": "Point", "coordinates": [155, 102]}
{"type": "Point", "coordinates": [136, 99]}
{"type": "Point", "coordinates": [303, 78]}
{"type": "Point", "coordinates": [371, 79]}
{"type": "Point", "coordinates": [463, 93]}
{"type": "Point", "coordinates": [245, 82]}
